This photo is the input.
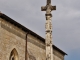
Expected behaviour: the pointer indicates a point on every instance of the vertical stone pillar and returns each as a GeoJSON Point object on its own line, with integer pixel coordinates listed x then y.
{"type": "Point", "coordinates": [48, 26]}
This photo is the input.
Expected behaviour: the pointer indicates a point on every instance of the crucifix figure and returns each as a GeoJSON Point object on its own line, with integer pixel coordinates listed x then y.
{"type": "Point", "coordinates": [48, 39]}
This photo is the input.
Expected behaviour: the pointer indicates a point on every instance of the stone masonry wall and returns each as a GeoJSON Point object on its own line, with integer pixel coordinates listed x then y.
{"type": "Point", "coordinates": [13, 37]}
{"type": "Point", "coordinates": [57, 55]}
{"type": "Point", "coordinates": [36, 48]}
{"type": "Point", "coordinates": [9, 41]}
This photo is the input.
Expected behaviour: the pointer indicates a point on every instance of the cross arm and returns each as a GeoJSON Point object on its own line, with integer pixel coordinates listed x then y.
{"type": "Point", "coordinates": [43, 8]}
{"type": "Point", "coordinates": [53, 7]}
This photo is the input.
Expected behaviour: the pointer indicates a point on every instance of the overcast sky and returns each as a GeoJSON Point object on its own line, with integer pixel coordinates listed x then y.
{"type": "Point", "coordinates": [65, 20]}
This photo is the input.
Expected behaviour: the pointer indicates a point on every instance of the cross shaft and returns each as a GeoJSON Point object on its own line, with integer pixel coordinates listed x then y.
{"type": "Point", "coordinates": [48, 26]}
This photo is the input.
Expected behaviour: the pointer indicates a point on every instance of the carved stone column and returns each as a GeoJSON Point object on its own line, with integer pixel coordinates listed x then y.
{"type": "Point", "coordinates": [48, 26]}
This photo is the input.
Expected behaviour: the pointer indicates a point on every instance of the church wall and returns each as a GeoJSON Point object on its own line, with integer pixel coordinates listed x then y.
{"type": "Point", "coordinates": [57, 55]}
{"type": "Point", "coordinates": [13, 37]}
{"type": "Point", "coordinates": [10, 40]}
{"type": "Point", "coordinates": [36, 48]}
{"type": "Point", "coordinates": [56, 58]}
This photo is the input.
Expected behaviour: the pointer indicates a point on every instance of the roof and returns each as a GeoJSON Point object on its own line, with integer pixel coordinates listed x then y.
{"type": "Point", "coordinates": [3, 16]}
{"type": "Point", "coordinates": [54, 47]}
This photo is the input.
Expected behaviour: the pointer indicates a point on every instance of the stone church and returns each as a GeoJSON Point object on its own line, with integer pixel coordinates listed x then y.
{"type": "Point", "coordinates": [19, 43]}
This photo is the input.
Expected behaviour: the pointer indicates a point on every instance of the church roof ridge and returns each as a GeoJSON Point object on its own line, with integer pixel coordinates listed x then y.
{"type": "Point", "coordinates": [3, 16]}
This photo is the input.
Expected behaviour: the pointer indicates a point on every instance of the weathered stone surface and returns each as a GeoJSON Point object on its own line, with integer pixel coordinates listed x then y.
{"type": "Point", "coordinates": [58, 55]}
{"type": "Point", "coordinates": [10, 40]}
{"type": "Point", "coordinates": [48, 26]}
{"type": "Point", "coordinates": [13, 37]}
{"type": "Point", "coordinates": [13, 29]}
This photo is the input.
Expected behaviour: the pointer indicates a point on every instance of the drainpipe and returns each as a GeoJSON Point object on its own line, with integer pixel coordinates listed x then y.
{"type": "Point", "coordinates": [26, 47]}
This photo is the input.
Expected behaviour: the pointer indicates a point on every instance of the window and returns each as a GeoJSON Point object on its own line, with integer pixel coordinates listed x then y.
{"type": "Point", "coordinates": [13, 55]}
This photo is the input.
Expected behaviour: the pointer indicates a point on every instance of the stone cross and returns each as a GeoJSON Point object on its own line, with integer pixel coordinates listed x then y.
{"type": "Point", "coordinates": [48, 8]}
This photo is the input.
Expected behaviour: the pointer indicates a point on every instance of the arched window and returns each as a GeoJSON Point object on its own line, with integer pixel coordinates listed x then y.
{"type": "Point", "coordinates": [13, 55]}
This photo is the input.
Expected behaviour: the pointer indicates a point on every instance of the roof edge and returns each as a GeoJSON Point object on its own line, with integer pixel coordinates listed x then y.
{"type": "Point", "coordinates": [59, 49]}
{"type": "Point", "coordinates": [3, 16]}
